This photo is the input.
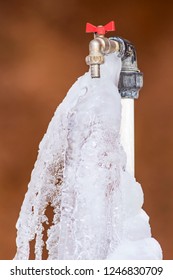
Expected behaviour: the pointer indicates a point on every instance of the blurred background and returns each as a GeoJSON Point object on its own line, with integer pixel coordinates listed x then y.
{"type": "Point", "coordinates": [43, 46]}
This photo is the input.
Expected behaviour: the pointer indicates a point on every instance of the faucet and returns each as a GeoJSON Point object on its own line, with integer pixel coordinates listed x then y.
{"type": "Point", "coordinates": [99, 46]}
{"type": "Point", "coordinates": [131, 79]}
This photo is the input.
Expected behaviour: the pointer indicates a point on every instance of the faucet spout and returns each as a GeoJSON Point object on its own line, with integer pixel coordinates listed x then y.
{"type": "Point", "coordinates": [95, 58]}
{"type": "Point", "coordinates": [98, 47]}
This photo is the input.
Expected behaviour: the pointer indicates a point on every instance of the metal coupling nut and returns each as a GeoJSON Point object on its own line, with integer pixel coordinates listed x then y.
{"type": "Point", "coordinates": [130, 84]}
{"type": "Point", "coordinates": [94, 59]}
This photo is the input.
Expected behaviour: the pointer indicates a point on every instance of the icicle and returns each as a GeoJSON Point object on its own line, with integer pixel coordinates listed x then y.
{"type": "Point", "coordinates": [80, 172]}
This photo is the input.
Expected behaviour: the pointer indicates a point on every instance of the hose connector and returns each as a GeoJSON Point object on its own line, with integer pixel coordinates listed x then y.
{"type": "Point", "coordinates": [95, 58]}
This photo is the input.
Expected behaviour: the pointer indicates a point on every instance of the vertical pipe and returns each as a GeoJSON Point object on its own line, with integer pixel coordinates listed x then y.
{"type": "Point", "coordinates": [127, 132]}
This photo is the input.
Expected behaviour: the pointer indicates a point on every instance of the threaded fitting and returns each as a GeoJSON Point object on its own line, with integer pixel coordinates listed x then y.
{"type": "Point", "coordinates": [95, 70]}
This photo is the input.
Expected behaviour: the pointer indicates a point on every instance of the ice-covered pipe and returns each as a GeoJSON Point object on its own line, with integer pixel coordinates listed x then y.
{"type": "Point", "coordinates": [130, 82]}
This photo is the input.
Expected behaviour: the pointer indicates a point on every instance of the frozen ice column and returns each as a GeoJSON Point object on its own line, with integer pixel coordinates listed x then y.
{"type": "Point", "coordinates": [80, 172]}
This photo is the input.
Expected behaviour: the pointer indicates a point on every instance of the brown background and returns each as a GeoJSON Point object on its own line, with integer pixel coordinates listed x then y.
{"type": "Point", "coordinates": [42, 49]}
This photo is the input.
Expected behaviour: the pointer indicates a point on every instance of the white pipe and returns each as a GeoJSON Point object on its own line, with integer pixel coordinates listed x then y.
{"type": "Point", "coordinates": [127, 132]}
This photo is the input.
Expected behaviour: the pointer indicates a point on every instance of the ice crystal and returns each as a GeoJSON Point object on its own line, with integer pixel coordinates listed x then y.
{"type": "Point", "coordinates": [80, 171]}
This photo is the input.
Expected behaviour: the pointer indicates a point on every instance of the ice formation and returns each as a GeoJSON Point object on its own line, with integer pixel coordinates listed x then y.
{"type": "Point", "coordinates": [81, 172]}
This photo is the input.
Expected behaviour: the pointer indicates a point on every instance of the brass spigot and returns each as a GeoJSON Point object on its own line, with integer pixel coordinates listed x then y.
{"type": "Point", "coordinates": [131, 79]}
{"type": "Point", "coordinates": [99, 46]}
{"type": "Point", "coordinates": [95, 58]}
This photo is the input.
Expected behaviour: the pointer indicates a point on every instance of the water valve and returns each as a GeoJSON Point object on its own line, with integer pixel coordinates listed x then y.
{"type": "Point", "coordinates": [100, 30]}
{"type": "Point", "coordinates": [131, 79]}
{"type": "Point", "coordinates": [99, 46]}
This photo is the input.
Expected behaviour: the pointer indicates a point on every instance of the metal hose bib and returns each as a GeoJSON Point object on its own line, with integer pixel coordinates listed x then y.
{"type": "Point", "coordinates": [131, 79]}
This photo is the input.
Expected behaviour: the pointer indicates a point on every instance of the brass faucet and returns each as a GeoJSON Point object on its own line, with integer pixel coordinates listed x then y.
{"type": "Point", "coordinates": [99, 46]}
{"type": "Point", "coordinates": [131, 79]}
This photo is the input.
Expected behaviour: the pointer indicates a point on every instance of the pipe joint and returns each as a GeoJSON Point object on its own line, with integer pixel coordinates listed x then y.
{"type": "Point", "coordinates": [131, 79]}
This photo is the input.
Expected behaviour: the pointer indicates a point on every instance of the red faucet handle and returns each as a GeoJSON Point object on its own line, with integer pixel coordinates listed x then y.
{"type": "Point", "coordinates": [101, 30]}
